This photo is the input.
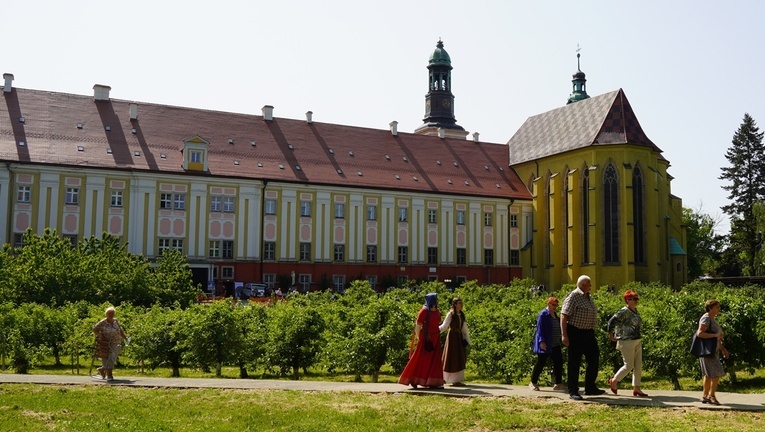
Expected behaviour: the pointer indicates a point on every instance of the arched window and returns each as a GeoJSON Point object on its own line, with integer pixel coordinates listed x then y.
{"type": "Point", "coordinates": [564, 205]}
{"type": "Point", "coordinates": [638, 218]}
{"type": "Point", "coordinates": [585, 215]}
{"type": "Point", "coordinates": [548, 220]}
{"type": "Point", "coordinates": [611, 214]}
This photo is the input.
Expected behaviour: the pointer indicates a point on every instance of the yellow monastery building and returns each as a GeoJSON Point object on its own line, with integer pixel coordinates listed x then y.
{"type": "Point", "coordinates": [579, 189]}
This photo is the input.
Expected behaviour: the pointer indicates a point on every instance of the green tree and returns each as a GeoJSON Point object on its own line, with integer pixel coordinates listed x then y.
{"type": "Point", "coordinates": [704, 245]}
{"type": "Point", "coordinates": [294, 337]}
{"type": "Point", "coordinates": [746, 177]}
{"type": "Point", "coordinates": [172, 281]}
{"type": "Point", "coordinates": [211, 335]}
{"type": "Point", "coordinates": [155, 339]}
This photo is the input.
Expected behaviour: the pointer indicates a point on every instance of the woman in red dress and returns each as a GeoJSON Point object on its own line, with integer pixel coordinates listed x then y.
{"type": "Point", "coordinates": [424, 367]}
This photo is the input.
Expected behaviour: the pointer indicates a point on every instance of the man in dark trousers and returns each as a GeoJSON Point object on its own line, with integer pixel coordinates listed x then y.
{"type": "Point", "coordinates": [578, 319]}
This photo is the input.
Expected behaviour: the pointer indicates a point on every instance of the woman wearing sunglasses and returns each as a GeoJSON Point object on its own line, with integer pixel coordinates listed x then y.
{"type": "Point", "coordinates": [624, 329]}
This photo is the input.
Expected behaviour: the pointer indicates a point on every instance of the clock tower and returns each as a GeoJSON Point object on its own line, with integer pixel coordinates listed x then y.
{"type": "Point", "coordinates": [439, 102]}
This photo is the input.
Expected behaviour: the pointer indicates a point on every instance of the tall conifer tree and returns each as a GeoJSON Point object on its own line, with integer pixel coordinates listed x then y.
{"type": "Point", "coordinates": [746, 177]}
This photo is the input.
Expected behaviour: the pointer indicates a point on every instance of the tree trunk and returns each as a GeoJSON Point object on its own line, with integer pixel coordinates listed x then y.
{"type": "Point", "coordinates": [218, 369]}
{"type": "Point", "coordinates": [375, 376]}
{"type": "Point", "coordinates": [243, 371]}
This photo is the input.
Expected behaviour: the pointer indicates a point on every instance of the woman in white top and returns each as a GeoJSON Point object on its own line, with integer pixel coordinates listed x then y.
{"type": "Point", "coordinates": [457, 341]}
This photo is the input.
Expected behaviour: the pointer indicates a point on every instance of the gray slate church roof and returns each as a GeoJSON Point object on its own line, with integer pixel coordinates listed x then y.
{"type": "Point", "coordinates": [600, 120]}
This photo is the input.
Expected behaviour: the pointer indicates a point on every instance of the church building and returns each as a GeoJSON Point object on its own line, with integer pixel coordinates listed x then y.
{"type": "Point", "coordinates": [311, 205]}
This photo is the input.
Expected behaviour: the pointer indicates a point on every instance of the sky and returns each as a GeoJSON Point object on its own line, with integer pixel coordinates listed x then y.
{"type": "Point", "coordinates": [690, 69]}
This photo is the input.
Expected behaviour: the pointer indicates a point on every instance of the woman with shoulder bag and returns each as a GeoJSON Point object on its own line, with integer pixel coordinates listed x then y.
{"type": "Point", "coordinates": [711, 368]}
{"type": "Point", "coordinates": [424, 366]}
{"type": "Point", "coordinates": [457, 341]}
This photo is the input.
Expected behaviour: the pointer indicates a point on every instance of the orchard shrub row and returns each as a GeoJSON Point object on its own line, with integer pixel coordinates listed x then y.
{"type": "Point", "coordinates": [359, 332]}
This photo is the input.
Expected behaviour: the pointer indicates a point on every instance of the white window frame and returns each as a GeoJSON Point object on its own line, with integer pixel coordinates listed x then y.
{"type": "Point", "coordinates": [269, 251]}
{"type": "Point", "coordinates": [214, 249]}
{"type": "Point", "coordinates": [488, 219]}
{"type": "Point", "coordinates": [432, 216]}
{"type": "Point", "coordinates": [196, 156]}
{"type": "Point", "coordinates": [305, 208]}
{"type": "Point", "coordinates": [270, 206]}
{"type": "Point", "coordinates": [371, 253]}
{"type": "Point", "coordinates": [460, 217]}
{"type": "Point", "coordinates": [403, 214]}
{"type": "Point", "coordinates": [228, 205]}
{"type": "Point", "coordinates": [304, 281]}
{"type": "Point", "coordinates": [72, 196]}
{"type": "Point", "coordinates": [227, 249]}
{"type": "Point", "coordinates": [227, 272]}
{"type": "Point", "coordinates": [372, 212]}
{"type": "Point", "coordinates": [24, 194]}
{"type": "Point", "coordinates": [117, 198]}
{"type": "Point", "coordinates": [339, 211]}
{"type": "Point", "coordinates": [339, 253]}
{"type": "Point", "coordinates": [216, 203]}
{"type": "Point", "coordinates": [305, 251]}
{"type": "Point", "coordinates": [403, 254]}
{"type": "Point", "coordinates": [338, 282]}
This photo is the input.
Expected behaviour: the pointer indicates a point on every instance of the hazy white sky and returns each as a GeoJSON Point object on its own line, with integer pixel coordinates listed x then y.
{"type": "Point", "coordinates": [690, 69]}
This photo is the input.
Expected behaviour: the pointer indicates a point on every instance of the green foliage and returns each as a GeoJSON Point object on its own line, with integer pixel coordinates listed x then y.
{"type": "Point", "coordinates": [703, 244]}
{"type": "Point", "coordinates": [211, 335]}
{"type": "Point", "coordinates": [746, 156]}
{"type": "Point", "coordinates": [294, 337]}
{"type": "Point", "coordinates": [48, 270]}
{"type": "Point", "coordinates": [367, 332]}
{"type": "Point", "coordinates": [156, 338]}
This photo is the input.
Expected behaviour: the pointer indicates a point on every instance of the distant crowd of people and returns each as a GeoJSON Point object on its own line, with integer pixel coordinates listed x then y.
{"type": "Point", "coordinates": [431, 366]}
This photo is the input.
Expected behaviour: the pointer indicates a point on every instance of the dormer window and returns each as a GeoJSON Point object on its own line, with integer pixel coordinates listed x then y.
{"type": "Point", "coordinates": [195, 154]}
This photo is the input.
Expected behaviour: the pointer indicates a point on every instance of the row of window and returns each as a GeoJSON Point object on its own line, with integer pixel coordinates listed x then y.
{"type": "Point", "coordinates": [269, 254]}
{"type": "Point", "coordinates": [403, 213]}
{"type": "Point", "coordinates": [177, 201]}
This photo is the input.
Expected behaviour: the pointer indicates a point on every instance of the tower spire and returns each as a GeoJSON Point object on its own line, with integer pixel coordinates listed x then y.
{"type": "Point", "coordinates": [579, 82]}
{"type": "Point", "coordinates": [439, 101]}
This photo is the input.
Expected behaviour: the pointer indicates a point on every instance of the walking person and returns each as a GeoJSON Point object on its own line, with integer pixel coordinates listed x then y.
{"type": "Point", "coordinates": [547, 344]}
{"type": "Point", "coordinates": [624, 329]}
{"type": "Point", "coordinates": [711, 368]}
{"type": "Point", "coordinates": [424, 367]}
{"type": "Point", "coordinates": [109, 334]}
{"type": "Point", "coordinates": [578, 319]}
{"type": "Point", "coordinates": [457, 341]}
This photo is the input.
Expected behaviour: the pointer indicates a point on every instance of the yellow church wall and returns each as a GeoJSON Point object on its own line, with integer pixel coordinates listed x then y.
{"type": "Point", "coordinates": [556, 183]}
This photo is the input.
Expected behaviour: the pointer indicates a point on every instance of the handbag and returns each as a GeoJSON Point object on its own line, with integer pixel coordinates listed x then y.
{"type": "Point", "coordinates": [703, 347]}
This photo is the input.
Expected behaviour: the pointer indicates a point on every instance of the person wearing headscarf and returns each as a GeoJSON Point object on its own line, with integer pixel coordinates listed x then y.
{"type": "Point", "coordinates": [424, 366]}
{"type": "Point", "coordinates": [457, 341]}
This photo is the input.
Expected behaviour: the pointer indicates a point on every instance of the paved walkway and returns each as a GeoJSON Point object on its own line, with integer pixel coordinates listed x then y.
{"type": "Point", "coordinates": [658, 398]}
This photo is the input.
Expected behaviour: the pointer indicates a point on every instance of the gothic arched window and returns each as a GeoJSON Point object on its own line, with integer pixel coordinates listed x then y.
{"type": "Point", "coordinates": [585, 215]}
{"type": "Point", "coordinates": [611, 214]}
{"type": "Point", "coordinates": [638, 218]}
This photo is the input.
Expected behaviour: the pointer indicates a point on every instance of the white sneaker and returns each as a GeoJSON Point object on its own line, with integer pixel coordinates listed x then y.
{"type": "Point", "coordinates": [533, 386]}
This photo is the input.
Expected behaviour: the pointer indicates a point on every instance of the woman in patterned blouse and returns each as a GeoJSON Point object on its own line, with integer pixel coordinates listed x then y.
{"type": "Point", "coordinates": [624, 329]}
{"type": "Point", "coordinates": [109, 334]}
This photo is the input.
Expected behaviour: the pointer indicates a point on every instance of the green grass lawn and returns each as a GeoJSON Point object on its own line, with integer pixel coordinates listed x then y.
{"type": "Point", "coordinates": [87, 408]}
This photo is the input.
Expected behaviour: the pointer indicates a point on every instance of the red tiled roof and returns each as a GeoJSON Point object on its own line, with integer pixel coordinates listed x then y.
{"type": "Point", "coordinates": [51, 136]}
{"type": "Point", "coordinates": [600, 120]}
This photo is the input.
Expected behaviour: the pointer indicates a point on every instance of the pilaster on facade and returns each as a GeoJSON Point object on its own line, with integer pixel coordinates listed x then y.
{"type": "Point", "coordinates": [197, 217]}
{"type": "Point", "coordinates": [5, 197]}
{"type": "Point", "coordinates": [95, 205]}
{"type": "Point", "coordinates": [49, 203]}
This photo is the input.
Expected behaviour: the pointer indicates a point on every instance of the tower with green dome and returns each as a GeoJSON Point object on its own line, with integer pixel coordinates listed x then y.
{"type": "Point", "coordinates": [439, 101]}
